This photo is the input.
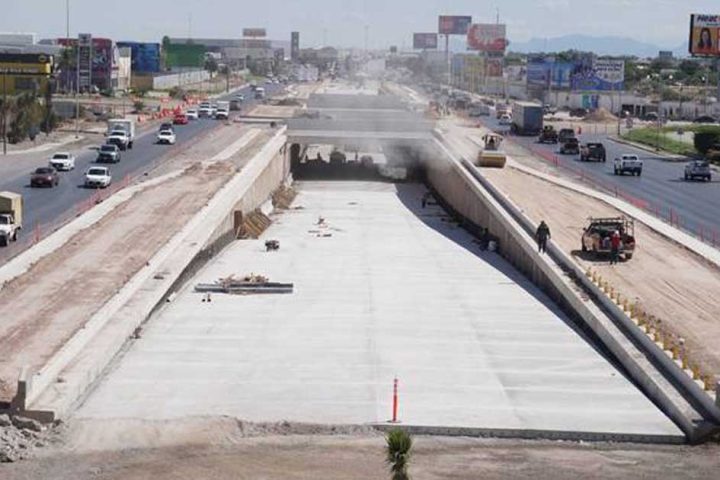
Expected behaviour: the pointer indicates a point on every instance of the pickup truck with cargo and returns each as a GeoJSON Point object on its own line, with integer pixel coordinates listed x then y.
{"type": "Point", "coordinates": [628, 163]}
{"type": "Point", "coordinates": [11, 209]}
{"type": "Point", "coordinates": [596, 236]}
{"type": "Point", "coordinates": [126, 125]}
{"type": "Point", "coordinates": [119, 138]}
{"type": "Point", "coordinates": [593, 152]}
{"type": "Point", "coordinates": [527, 118]}
{"type": "Point", "coordinates": [548, 135]}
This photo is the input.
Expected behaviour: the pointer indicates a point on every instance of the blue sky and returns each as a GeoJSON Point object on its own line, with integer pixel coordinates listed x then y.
{"type": "Point", "coordinates": [342, 22]}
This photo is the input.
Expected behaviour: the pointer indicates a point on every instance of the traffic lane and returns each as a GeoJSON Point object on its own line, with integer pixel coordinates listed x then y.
{"type": "Point", "coordinates": [661, 187]}
{"type": "Point", "coordinates": [44, 206]}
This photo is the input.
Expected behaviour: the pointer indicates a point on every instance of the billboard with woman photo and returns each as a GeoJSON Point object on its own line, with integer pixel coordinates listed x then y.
{"type": "Point", "coordinates": [705, 35]}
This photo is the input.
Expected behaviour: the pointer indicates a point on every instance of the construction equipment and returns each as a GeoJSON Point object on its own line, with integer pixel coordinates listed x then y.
{"type": "Point", "coordinates": [251, 284]}
{"type": "Point", "coordinates": [491, 155]}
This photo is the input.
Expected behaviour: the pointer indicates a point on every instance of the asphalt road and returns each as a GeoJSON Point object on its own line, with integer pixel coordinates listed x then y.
{"type": "Point", "coordinates": [660, 189]}
{"type": "Point", "coordinates": [45, 207]}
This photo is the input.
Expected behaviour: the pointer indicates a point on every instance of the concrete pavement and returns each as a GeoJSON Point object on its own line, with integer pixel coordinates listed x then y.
{"type": "Point", "coordinates": [383, 288]}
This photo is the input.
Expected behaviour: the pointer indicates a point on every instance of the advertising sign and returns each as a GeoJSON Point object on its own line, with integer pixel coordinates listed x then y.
{"type": "Point", "coordinates": [487, 37]}
{"type": "Point", "coordinates": [254, 32]}
{"type": "Point", "coordinates": [425, 41]}
{"type": "Point", "coordinates": [185, 55]}
{"type": "Point", "coordinates": [295, 46]}
{"type": "Point", "coordinates": [145, 56]}
{"type": "Point", "coordinates": [545, 72]}
{"type": "Point", "coordinates": [704, 35]}
{"type": "Point", "coordinates": [453, 24]}
{"type": "Point", "coordinates": [84, 43]}
{"type": "Point", "coordinates": [598, 75]}
{"type": "Point", "coordinates": [516, 73]}
{"type": "Point", "coordinates": [494, 67]}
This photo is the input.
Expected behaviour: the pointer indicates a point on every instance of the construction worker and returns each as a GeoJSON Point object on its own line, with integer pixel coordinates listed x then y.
{"type": "Point", "coordinates": [542, 235]}
{"type": "Point", "coordinates": [615, 247]}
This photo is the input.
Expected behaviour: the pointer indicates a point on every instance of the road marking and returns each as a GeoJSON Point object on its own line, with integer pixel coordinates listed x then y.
{"type": "Point", "coordinates": [236, 146]}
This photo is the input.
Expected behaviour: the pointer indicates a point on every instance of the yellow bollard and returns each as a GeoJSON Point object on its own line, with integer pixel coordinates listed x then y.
{"type": "Point", "coordinates": [695, 372]}
{"type": "Point", "coordinates": [684, 362]}
{"type": "Point", "coordinates": [589, 273]}
{"type": "Point", "coordinates": [626, 306]}
{"type": "Point", "coordinates": [675, 352]}
{"type": "Point", "coordinates": [641, 319]}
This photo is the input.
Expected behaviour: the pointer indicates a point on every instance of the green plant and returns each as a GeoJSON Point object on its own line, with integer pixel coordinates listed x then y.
{"type": "Point", "coordinates": [705, 138]}
{"type": "Point", "coordinates": [139, 106]}
{"type": "Point", "coordinates": [399, 450]}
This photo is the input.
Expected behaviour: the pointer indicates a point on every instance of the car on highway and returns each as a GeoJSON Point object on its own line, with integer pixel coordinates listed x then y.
{"type": "Point", "coordinates": [235, 105]}
{"type": "Point", "coordinates": [259, 93]}
{"type": "Point", "coordinates": [593, 152]}
{"type": "Point", "coordinates": [505, 119]}
{"type": "Point", "coordinates": [548, 135]}
{"type": "Point", "coordinates": [44, 177]}
{"type": "Point", "coordinates": [239, 97]}
{"type": "Point", "coordinates": [166, 137]}
{"type": "Point", "coordinates": [62, 161]}
{"type": "Point", "coordinates": [166, 126]}
{"type": "Point", "coordinates": [98, 177]}
{"type": "Point", "coordinates": [628, 163]}
{"type": "Point", "coordinates": [108, 153]}
{"type": "Point", "coordinates": [191, 114]}
{"type": "Point", "coordinates": [180, 119]}
{"type": "Point", "coordinates": [571, 146]}
{"type": "Point", "coordinates": [698, 169]}
{"type": "Point", "coordinates": [222, 114]}
{"type": "Point", "coordinates": [564, 134]}
{"type": "Point", "coordinates": [119, 138]}
{"type": "Point", "coordinates": [205, 110]}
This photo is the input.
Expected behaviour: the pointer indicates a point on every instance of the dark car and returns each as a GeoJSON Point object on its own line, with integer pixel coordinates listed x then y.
{"type": "Point", "coordinates": [565, 134]}
{"type": "Point", "coordinates": [593, 152]}
{"type": "Point", "coordinates": [44, 177]}
{"type": "Point", "coordinates": [651, 117]}
{"type": "Point", "coordinates": [571, 146]}
{"type": "Point", "coordinates": [108, 153]}
{"type": "Point", "coordinates": [579, 112]}
{"type": "Point", "coordinates": [705, 119]}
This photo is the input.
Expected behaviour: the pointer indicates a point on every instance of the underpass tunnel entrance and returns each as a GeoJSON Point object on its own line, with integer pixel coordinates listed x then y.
{"type": "Point", "coordinates": [367, 161]}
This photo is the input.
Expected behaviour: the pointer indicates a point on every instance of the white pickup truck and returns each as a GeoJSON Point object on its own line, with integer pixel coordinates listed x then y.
{"type": "Point", "coordinates": [10, 217]}
{"type": "Point", "coordinates": [128, 126]}
{"type": "Point", "coordinates": [628, 163]}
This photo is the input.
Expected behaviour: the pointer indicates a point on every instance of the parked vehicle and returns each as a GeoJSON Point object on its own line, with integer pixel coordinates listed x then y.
{"type": "Point", "coordinates": [548, 135]}
{"type": "Point", "coordinates": [166, 137]}
{"type": "Point", "coordinates": [651, 117]}
{"type": "Point", "coordinates": [98, 177]}
{"type": "Point", "coordinates": [565, 134]}
{"type": "Point", "coordinates": [593, 152]}
{"type": "Point", "coordinates": [119, 138]}
{"type": "Point", "coordinates": [126, 125]}
{"type": "Point", "coordinates": [108, 153]}
{"type": "Point", "coordinates": [44, 177]}
{"type": "Point", "coordinates": [62, 161]}
{"type": "Point", "coordinates": [527, 118]}
{"type": "Point", "coordinates": [628, 164]}
{"type": "Point", "coordinates": [698, 169]}
{"type": "Point", "coordinates": [596, 236]}
{"type": "Point", "coordinates": [705, 119]}
{"type": "Point", "coordinates": [11, 209]}
{"type": "Point", "coordinates": [579, 112]}
{"type": "Point", "coordinates": [180, 119]}
{"type": "Point", "coordinates": [571, 146]}
{"type": "Point", "coordinates": [191, 114]}
{"type": "Point", "coordinates": [549, 110]}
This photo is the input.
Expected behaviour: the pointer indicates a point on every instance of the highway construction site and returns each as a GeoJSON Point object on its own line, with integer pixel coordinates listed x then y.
{"type": "Point", "coordinates": [124, 337]}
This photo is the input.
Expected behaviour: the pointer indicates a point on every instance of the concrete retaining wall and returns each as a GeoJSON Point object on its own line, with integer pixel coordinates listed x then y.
{"type": "Point", "coordinates": [94, 348]}
{"type": "Point", "coordinates": [471, 197]}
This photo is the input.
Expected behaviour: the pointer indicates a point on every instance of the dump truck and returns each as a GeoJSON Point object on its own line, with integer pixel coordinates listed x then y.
{"type": "Point", "coordinates": [491, 155]}
{"type": "Point", "coordinates": [596, 236]}
{"type": "Point", "coordinates": [527, 118]}
{"type": "Point", "coordinates": [11, 208]}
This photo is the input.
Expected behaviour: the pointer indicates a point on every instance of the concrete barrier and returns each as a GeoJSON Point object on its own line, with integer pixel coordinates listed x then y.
{"type": "Point", "coordinates": [478, 203]}
{"type": "Point", "coordinates": [84, 358]}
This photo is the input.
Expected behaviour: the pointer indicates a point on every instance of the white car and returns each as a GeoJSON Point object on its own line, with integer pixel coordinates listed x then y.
{"type": "Point", "coordinates": [222, 114]}
{"type": "Point", "coordinates": [119, 138]}
{"type": "Point", "coordinates": [62, 162]}
{"type": "Point", "coordinates": [505, 119]}
{"type": "Point", "coordinates": [240, 97]}
{"type": "Point", "coordinates": [98, 177]}
{"type": "Point", "coordinates": [205, 110]}
{"type": "Point", "coordinates": [628, 163]}
{"type": "Point", "coordinates": [192, 114]}
{"type": "Point", "coordinates": [166, 136]}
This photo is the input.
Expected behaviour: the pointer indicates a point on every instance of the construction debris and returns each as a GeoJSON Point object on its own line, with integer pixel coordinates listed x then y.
{"type": "Point", "coordinates": [253, 225]}
{"type": "Point", "coordinates": [271, 245]}
{"type": "Point", "coordinates": [251, 284]}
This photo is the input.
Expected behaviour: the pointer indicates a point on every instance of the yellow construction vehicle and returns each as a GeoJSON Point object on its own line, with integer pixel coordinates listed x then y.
{"type": "Point", "coordinates": [491, 155]}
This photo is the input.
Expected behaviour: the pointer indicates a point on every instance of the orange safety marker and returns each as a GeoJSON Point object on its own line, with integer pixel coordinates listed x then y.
{"type": "Point", "coordinates": [395, 401]}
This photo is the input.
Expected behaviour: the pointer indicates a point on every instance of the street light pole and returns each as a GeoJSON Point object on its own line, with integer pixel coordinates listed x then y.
{"type": "Point", "coordinates": [4, 113]}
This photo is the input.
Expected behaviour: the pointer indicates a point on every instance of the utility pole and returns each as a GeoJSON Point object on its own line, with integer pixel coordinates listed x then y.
{"type": "Point", "coordinates": [77, 92]}
{"type": "Point", "coordinates": [4, 113]}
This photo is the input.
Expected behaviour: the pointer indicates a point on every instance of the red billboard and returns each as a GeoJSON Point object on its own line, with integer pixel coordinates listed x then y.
{"type": "Point", "coordinates": [454, 24]}
{"type": "Point", "coordinates": [425, 41]}
{"type": "Point", "coordinates": [487, 37]}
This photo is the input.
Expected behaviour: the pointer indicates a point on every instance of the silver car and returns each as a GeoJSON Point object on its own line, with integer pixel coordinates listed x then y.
{"type": "Point", "coordinates": [698, 169]}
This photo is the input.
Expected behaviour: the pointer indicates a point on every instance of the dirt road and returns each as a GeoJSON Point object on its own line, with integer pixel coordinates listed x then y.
{"type": "Point", "coordinates": [223, 448]}
{"type": "Point", "coordinates": [62, 291]}
{"type": "Point", "coordinates": [667, 280]}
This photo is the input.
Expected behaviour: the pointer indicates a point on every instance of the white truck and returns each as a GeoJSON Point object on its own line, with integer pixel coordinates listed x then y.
{"type": "Point", "coordinates": [10, 217]}
{"type": "Point", "coordinates": [222, 111]}
{"type": "Point", "coordinates": [128, 126]}
{"type": "Point", "coordinates": [628, 163]}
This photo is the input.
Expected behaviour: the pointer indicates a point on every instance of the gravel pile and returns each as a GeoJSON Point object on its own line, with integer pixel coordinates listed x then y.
{"type": "Point", "coordinates": [19, 436]}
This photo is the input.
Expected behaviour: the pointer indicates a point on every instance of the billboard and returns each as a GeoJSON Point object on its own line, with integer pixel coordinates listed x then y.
{"type": "Point", "coordinates": [704, 35]}
{"type": "Point", "coordinates": [185, 55]}
{"type": "Point", "coordinates": [25, 72]}
{"type": "Point", "coordinates": [425, 41]}
{"type": "Point", "coordinates": [295, 46]}
{"type": "Point", "coordinates": [254, 32]}
{"type": "Point", "coordinates": [487, 37]}
{"type": "Point", "coordinates": [546, 73]}
{"type": "Point", "coordinates": [598, 75]}
{"type": "Point", "coordinates": [494, 67]}
{"type": "Point", "coordinates": [145, 56]}
{"type": "Point", "coordinates": [453, 24]}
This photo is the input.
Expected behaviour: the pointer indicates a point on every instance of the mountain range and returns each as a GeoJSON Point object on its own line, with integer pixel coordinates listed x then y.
{"type": "Point", "coordinates": [608, 45]}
